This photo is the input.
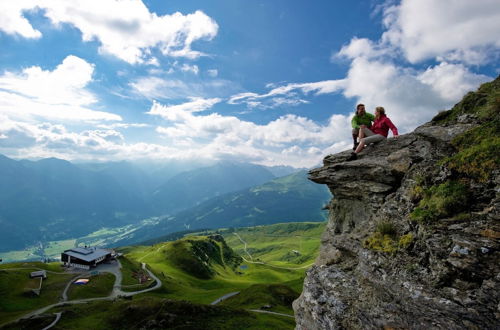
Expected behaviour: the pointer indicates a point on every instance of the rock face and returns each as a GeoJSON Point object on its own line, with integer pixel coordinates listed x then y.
{"type": "Point", "coordinates": [380, 264]}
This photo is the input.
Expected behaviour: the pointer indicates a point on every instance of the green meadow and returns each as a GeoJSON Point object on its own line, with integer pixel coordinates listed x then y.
{"type": "Point", "coordinates": [265, 264]}
{"type": "Point", "coordinates": [98, 286]}
{"type": "Point", "coordinates": [279, 254]}
{"type": "Point", "coordinates": [16, 297]}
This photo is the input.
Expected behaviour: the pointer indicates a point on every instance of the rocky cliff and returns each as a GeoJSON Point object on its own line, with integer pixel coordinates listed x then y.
{"type": "Point", "coordinates": [413, 235]}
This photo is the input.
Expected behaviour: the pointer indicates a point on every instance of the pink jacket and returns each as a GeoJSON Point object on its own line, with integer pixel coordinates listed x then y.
{"type": "Point", "coordinates": [381, 126]}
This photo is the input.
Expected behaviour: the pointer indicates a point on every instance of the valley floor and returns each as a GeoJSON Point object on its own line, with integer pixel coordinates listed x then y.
{"type": "Point", "coordinates": [274, 260]}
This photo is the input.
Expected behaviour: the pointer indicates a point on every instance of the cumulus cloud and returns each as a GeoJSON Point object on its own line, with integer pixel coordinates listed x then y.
{"type": "Point", "coordinates": [124, 29]}
{"type": "Point", "coordinates": [216, 136]}
{"type": "Point", "coordinates": [12, 20]}
{"type": "Point", "coordinates": [60, 94]}
{"type": "Point", "coordinates": [361, 47]}
{"type": "Point", "coordinates": [28, 140]}
{"type": "Point", "coordinates": [460, 30]}
{"type": "Point", "coordinates": [451, 81]}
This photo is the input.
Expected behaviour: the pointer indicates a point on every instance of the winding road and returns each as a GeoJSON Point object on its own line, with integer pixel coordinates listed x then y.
{"type": "Point", "coordinates": [117, 292]}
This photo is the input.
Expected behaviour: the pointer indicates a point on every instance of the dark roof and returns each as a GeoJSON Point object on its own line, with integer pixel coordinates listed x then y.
{"type": "Point", "coordinates": [86, 254]}
{"type": "Point", "coordinates": [38, 273]}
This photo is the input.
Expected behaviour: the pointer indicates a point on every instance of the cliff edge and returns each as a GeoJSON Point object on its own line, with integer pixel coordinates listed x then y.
{"type": "Point", "coordinates": [413, 235]}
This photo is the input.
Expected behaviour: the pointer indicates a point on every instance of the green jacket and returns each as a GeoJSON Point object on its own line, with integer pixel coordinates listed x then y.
{"type": "Point", "coordinates": [366, 119]}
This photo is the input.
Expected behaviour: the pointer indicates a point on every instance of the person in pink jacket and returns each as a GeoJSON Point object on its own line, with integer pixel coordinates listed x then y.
{"type": "Point", "coordinates": [377, 133]}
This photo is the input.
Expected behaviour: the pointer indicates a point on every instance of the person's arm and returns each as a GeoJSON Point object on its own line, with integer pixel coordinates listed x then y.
{"type": "Point", "coordinates": [391, 126]}
{"type": "Point", "coordinates": [354, 122]}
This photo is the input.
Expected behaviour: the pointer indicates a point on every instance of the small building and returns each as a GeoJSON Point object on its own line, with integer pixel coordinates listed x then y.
{"type": "Point", "coordinates": [39, 273]}
{"type": "Point", "coordinates": [84, 257]}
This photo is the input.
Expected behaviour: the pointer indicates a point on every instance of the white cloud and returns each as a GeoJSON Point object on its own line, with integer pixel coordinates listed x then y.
{"type": "Point", "coordinates": [60, 94]}
{"type": "Point", "coordinates": [125, 29]}
{"type": "Point", "coordinates": [190, 68]}
{"type": "Point", "coordinates": [159, 88]}
{"type": "Point", "coordinates": [213, 73]}
{"type": "Point", "coordinates": [461, 30]}
{"type": "Point", "coordinates": [216, 136]}
{"type": "Point", "coordinates": [180, 111]}
{"type": "Point", "coordinates": [287, 94]}
{"type": "Point", "coordinates": [361, 47]}
{"type": "Point", "coordinates": [12, 20]}
{"type": "Point", "coordinates": [155, 87]}
{"type": "Point", "coordinates": [451, 81]}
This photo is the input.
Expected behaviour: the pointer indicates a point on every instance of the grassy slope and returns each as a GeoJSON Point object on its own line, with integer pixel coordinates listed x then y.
{"type": "Point", "coordinates": [14, 284]}
{"type": "Point", "coordinates": [157, 313]}
{"type": "Point", "coordinates": [271, 244]}
{"type": "Point", "coordinates": [258, 284]}
{"type": "Point", "coordinates": [98, 286]}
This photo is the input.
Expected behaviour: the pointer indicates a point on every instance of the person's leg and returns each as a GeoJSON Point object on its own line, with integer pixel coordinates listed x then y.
{"type": "Point", "coordinates": [373, 139]}
{"type": "Point", "coordinates": [364, 141]}
{"type": "Point", "coordinates": [355, 132]}
{"type": "Point", "coordinates": [361, 145]}
{"type": "Point", "coordinates": [363, 133]}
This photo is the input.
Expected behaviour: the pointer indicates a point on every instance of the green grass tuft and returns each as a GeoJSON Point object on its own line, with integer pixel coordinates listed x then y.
{"type": "Point", "coordinates": [441, 201]}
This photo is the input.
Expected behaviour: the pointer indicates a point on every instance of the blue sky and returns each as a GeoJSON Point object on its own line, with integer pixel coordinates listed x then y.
{"type": "Point", "coordinates": [271, 82]}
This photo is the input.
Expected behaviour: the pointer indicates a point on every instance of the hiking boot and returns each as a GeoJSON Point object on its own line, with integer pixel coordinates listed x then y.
{"type": "Point", "coordinates": [353, 156]}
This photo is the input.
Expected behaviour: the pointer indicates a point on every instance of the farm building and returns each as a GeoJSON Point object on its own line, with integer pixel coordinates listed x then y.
{"type": "Point", "coordinates": [40, 273]}
{"type": "Point", "coordinates": [84, 258]}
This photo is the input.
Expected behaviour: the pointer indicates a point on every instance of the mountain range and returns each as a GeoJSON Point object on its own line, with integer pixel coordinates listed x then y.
{"type": "Point", "coordinates": [53, 199]}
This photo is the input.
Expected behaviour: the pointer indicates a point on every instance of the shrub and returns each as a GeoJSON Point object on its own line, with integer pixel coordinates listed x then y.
{"type": "Point", "coordinates": [441, 201]}
{"type": "Point", "coordinates": [405, 241]}
{"type": "Point", "coordinates": [477, 161]}
{"type": "Point", "coordinates": [416, 193]}
{"type": "Point", "coordinates": [381, 243]}
{"type": "Point", "coordinates": [386, 228]}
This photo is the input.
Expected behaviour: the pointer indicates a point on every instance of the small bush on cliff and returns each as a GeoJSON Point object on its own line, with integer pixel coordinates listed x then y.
{"type": "Point", "coordinates": [478, 151]}
{"type": "Point", "coordinates": [386, 228]}
{"type": "Point", "coordinates": [441, 201]}
{"type": "Point", "coordinates": [381, 243]}
{"type": "Point", "coordinates": [405, 241]}
{"type": "Point", "coordinates": [385, 239]}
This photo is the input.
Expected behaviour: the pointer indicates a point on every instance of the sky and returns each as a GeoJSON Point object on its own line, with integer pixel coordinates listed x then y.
{"type": "Point", "coordinates": [272, 82]}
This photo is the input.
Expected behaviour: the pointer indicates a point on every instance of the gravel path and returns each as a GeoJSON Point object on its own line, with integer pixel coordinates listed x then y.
{"type": "Point", "coordinates": [224, 297]}
{"type": "Point", "coordinates": [113, 268]}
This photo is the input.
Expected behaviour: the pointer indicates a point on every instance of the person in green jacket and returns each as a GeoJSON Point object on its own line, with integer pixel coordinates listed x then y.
{"type": "Point", "coordinates": [361, 119]}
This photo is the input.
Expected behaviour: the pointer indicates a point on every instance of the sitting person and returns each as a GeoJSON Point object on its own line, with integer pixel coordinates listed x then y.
{"type": "Point", "coordinates": [360, 121]}
{"type": "Point", "coordinates": [378, 132]}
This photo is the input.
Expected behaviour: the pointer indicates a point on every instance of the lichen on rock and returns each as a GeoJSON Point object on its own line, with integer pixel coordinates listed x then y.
{"type": "Point", "coordinates": [436, 262]}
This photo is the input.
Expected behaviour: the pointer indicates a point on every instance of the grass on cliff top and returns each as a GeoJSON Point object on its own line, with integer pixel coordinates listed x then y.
{"type": "Point", "coordinates": [478, 148]}
{"type": "Point", "coordinates": [485, 103]}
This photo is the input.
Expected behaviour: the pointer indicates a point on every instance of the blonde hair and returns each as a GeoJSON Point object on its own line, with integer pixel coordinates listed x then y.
{"type": "Point", "coordinates": [380, 110]}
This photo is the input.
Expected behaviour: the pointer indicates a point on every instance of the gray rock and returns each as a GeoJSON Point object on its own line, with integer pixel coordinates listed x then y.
{"type": "Point", "coordinates": [447, 278]}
